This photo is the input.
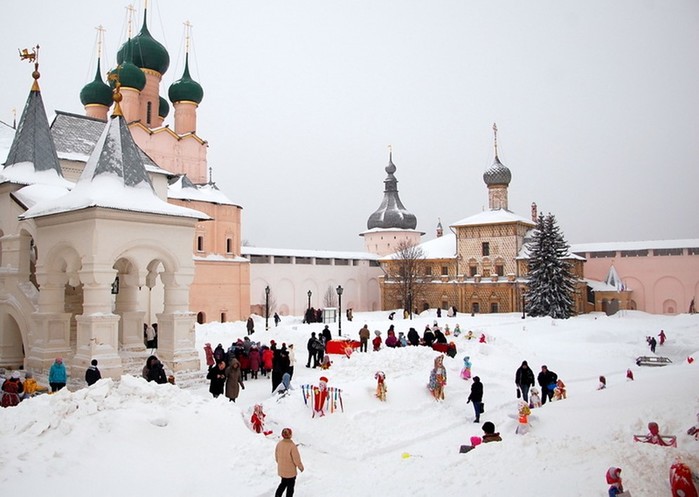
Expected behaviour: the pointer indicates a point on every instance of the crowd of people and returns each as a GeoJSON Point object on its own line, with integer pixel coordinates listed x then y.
{"type": "Point", "coordinates": [246, 359]}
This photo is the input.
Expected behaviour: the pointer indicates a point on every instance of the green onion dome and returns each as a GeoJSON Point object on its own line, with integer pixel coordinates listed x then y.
{"type": "Point", "coordinates": [186, 88]}
{"type": "Point", "coordinates": [96, 91]}
{"type": "Point", "coordinates": [163, 108]}
{"type": "Point", "coordinates": [147, 52]}
{"type": "Point", "coordinates": [130, 76]}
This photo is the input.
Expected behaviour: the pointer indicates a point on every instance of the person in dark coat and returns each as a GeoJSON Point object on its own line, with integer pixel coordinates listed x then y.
{"type": "Point", "coordinates": [217, 375]}
{"type": "Point", "coordinates": [413, 337]}
{"type": "Point", "coordinates": [547, 382]}
{"type": "Point", "coordinates": [234, 380]}
{"type": "Point", "coordinates": [250, 325]}
{"type": "Point", "coordinates": [219, 353]}
{"type": "Point", "coordinates": [476, 397]}
{"type": "Point", "coordinates": [439, 336]}
{"type": "Point", "coordinates": [312, 351]}
{"type": "Point", "coordinates": [524, 379]}
{"type": "Point", "coordinates": [428, 336]}
{"type": "Point", "coordinates": [280, 365]}
{"type": "Point", "coordinates": [92, 374]}
{"type": "Point", "coordinates": [327, 336]}
{"type": "Point", "coordinates": [155, 371]}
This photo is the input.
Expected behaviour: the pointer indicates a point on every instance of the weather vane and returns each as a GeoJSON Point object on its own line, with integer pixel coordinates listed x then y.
{"type": "Point", "coordinates": [32, 56]}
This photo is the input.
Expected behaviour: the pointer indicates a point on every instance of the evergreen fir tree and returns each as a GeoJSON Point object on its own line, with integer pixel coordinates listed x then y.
{"type": "Point", "coordinates": [551, 282]}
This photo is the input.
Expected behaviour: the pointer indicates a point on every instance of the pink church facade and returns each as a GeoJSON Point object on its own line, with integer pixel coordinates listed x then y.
{"type": "Point", "coordinates": [662, 276]}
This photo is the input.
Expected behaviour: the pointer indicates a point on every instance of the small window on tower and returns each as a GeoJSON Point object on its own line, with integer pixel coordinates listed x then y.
{"type": "Point", "coordinates": [486, 248]}
{"type": "Point", "coordinates": [200, 243]}
{"type": "Point", "coordinates": [445, 270]}
{"type": "Point", "coordinates": [499, 270]}
{"type": "Point", "coordinates": [229, 246]}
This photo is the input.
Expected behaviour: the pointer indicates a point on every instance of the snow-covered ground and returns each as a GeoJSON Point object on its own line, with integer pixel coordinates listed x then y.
{"type": "Point", "coordinates": [132, 438]}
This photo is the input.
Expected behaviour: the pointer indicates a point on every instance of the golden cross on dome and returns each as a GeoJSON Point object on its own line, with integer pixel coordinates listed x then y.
{"type": "Point", "coordinates": [187, 34]}
{"type": "Point", "coordinates": [131, 11]}
{"type": "Point", "coordinates": [495, 138]}
{"type": "Point", "coordinates": [100, 39]}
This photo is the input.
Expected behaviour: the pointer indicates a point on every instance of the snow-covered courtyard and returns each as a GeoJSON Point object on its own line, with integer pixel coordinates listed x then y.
{"type": "Point", "coordinates": [131, 438]}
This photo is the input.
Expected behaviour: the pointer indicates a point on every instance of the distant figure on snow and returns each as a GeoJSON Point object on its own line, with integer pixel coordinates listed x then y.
{"type": "Point", "coordinates": [662, 337]}
{"type": "Point", "coordinates": [602, 383]}
{"type": "Point", "coordinates": [57, 375]}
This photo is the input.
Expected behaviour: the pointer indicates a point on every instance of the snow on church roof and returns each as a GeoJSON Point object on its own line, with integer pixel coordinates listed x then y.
{"type": "Point", "coordinates": [184, 189]}
{"type": "Point", "coordinates": [493, 217]}
{"type": "Point", "coordinates": [114, 178]}
{"type": "Point", "coordinates": [75, 137]}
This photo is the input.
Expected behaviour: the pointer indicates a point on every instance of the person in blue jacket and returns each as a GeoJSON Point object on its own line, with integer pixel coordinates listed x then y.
{"type": "Point", "coordinates": [57, 375]}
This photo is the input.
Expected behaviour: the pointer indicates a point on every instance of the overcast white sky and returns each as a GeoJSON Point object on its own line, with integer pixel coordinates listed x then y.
{"type": "Point", "coordinates": [596, 104]}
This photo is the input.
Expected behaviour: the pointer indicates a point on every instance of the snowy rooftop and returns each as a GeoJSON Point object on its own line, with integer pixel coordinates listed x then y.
{"type": "Point", "coordinates": [114, 178]}
{"type": "Point", "coordinates": [24, 173]}
{"type": "Point", "coordinates": [320, 254]}
{"type": "Point", "coordinates": [183, 189]}
{"type": "Point", "coordinates": [75, 137]}
{"type": "Point", "coordinates": [493, 217]}
{"type": "Point", "coordinates": [640, 245]}
{"type": "Point", "coordinates": [443, 247]}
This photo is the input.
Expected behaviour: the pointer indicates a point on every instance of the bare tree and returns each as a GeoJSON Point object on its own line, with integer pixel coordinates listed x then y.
{"type": "Point", "coordinates": [330, 297]}
{"type": "Point", "coordinates": [405, 274]}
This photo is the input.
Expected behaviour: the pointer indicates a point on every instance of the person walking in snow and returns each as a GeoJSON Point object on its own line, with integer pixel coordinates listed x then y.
{"type": "Point", "coordinates": [547, 382]}
{"type": "Point", "coordinates": [662, 337]}
{"type": "Point", "coordinates": [250, 325]}
{"type": "Point", "coordinates": [476, 397]}
{"type": "Point", "coordinates": [57, 375]}
{"type": "Point", "coordinates": [312, 351]}
{"type": "Point", "coordinates": [92, 374]}
{"type": "Point", "coordinates": [217, 377]}
{"type": "Point", "coordinates": [288, 459]}
{"type": "Point", "coordinates": [524, 379]}
{"type": "Point", "coordinates": [652, 343]}
{"type": "Point", "coordinates": [234, 380]}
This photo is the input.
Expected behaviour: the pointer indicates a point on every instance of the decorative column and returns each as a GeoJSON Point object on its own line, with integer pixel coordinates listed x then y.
{"type": "Point", "coordinates": [50, 334]}
{"type": "Point", "coordinates": [176, 332]}
{"type": "Point", "coordinates": [98, 327]}
{"type": "Point", "coordinates": [132, 317]}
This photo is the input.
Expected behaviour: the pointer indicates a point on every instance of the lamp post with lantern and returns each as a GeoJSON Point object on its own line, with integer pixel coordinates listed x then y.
{"type": "Point", "coordinates": [339, 290]}
{"type": "Point", "coordinates": [267, 308]}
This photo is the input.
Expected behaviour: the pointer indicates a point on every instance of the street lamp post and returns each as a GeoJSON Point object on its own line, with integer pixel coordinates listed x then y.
{"type": "Point", "coordinates": [339, 290]}
{"type": "Point", "coordinates": [267, 308]}
{"type": "Point", "coordinates": [309, 299]}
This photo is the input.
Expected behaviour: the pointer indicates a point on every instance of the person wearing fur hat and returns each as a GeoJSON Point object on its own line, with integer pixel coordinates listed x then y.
{"type": "Point", "coordinates": [288, 459]}
{"type": "Point", "coordinates": [217, 377]}
{"type": "Point", "coordinates": [12, 390]}
{"type": "Point", "coordinates": [57, 375]}
{"type": "Point", "coordinates": [92, 374]}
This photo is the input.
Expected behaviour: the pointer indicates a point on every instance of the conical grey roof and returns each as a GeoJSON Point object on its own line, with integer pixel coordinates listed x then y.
{"type": "Point", "coordinates": [391, 214]}
{"type": "Point", "coordinates": [116, 154]}
{"type": "Point", "coordinates": [33, 142]}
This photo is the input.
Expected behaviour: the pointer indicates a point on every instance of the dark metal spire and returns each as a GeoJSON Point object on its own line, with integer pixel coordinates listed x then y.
{"type": "Point", "coordinates": [391, 214]}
